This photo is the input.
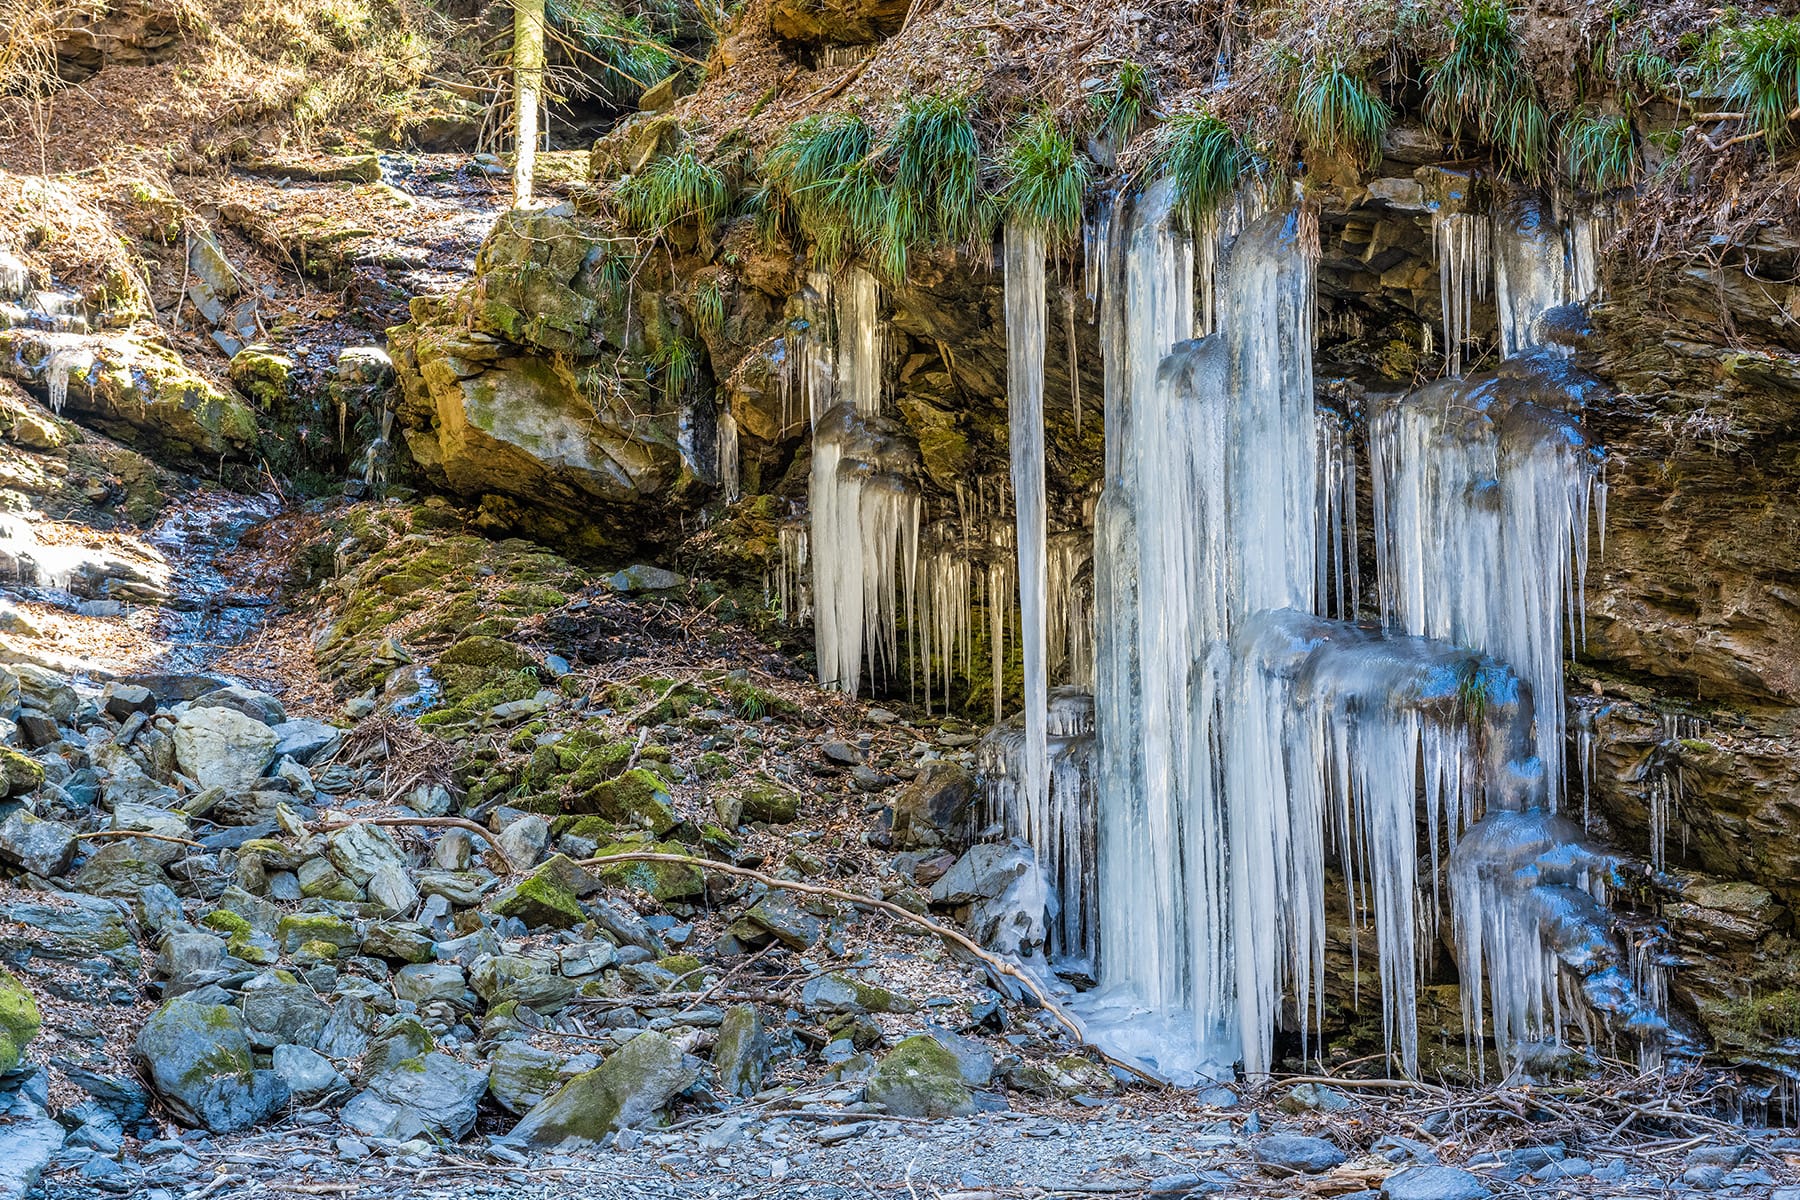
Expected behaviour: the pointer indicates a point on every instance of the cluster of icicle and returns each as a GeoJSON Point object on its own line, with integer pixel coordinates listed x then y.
{"type": "Point", "coordinates": [1244, 737]}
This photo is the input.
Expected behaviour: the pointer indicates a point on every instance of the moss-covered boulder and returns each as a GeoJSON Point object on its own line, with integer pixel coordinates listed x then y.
{"type": "Point", "coordinates": [663, 880]}
{"type": "Point", "coordinates": [261, 373]}
{"type": "Point", "coordinates": [540, 899]}
{"type": "Point", "coordinates": [628, 1090]}
{"type": "Point", "coordinates": [19, 773]}
{"type": "Point", "coordinates": [767, 801]}
{"type": "Point", "coordinates": [637, 799]}
{"type": "Point", "coordinates": [19, 1021]}
{"type": "Point", "coordinates": [135, 390]}
{"type": "Point", "coordinates": [198, 1059]}
{"type": "Point", "coordinates": [297, 929]}
{"type": "Point", "coordinates": [920, 1078]}
{"type": "Point", "coordinates": [839, 992]}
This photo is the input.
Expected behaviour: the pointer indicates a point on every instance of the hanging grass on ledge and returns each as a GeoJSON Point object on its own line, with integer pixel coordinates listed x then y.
{"type": "Point", "coordinates": [1123, 104]}
{"type": "Point", "coordinates": [937, 167]}
{"type": "Point", "coordinates": [1205, 159]}
{"type": "Point", "coordinates": [680, 189]}
{"type": "Point", "coordinates": [1045, 179]}
{"type": "Point", "coordinates": [1481, 88]}
{"type": "Point", "coordinates": [1338, 113]}
{"type": "Point", "coordinates": [850, 195]}
{"type": "Point", "coordinates": [1762, 76]}
{"type": "Point", "coordinates": [1600, 154]}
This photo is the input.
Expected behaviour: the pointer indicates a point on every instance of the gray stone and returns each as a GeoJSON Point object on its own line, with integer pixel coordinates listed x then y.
{"type": "Point", "coordinates": [359, 851]}
{"type": "Point", "coordinates": [524, 841]}
{"type": "Point", "coordinates": [303, 739]}
{"type": "Point", "coordinates": [973, 1060]}
{"type": "Point", "coordinates": [221, 747]}
{"type": "Point", "coordinates": [520, 1076]}
{"type": "Point", "coordinates": [933, 810]}
{"type": "Point", "coordinates": [840, 993]}
{"type": "Point", "coordinates": [392, 888]}
{"type": "Point", "coordinates": [741, 1051]}
{"type": "Point", "coordinates": [122, 699]}
{"type": "Point", "coordinates": [26, 1148]}
{"type": "Point", "coordinates": [278, 1012]}
{"type": "Point", "coordinates": [411, 1089]}
{"type": "Point", "coordinates": [786, 921]}
{"type": "Point", "coordinates": [188, 959]}
{"type": "Point", "coordinates": [308, 1074]}
{"type": "Point", "coordinates": [46, 691]}
{"type": "Point", "coordinates": [198, 1059]}
{"type": "Point", "coordinates": [424, 982]}
{"type": "Point", "coordinates": [984, 873]}
{"type": "Point", "coordinates": [44, 848]}
{"type": "Point", "coordinates": [534, 982]}
{"type": "Point", "coordinates": [254, 704]}
{"type": "Point", "coordinates": [398, 941]}
{"type": "Point", "coordinates": [624, 1092]}
{"type": "Point", "coordinates": [1433, 1183]}
{"type": "Point", "coordinates": [1296, 1152]}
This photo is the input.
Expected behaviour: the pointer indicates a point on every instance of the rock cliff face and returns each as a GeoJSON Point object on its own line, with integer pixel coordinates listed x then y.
{"type": "Point", "coordinates": [574, 391]}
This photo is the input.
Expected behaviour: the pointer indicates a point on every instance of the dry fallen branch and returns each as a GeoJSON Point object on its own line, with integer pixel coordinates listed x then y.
{"type": "Point", "coordinates": [956, 937]}
{"type": "Point", "coordinates": [427, 822]}
{"type": "Point", "coordinates": [138, 833]}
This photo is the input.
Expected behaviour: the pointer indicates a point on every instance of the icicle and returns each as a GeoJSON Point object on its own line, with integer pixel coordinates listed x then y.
{"type": "Point", "coordinates": [859, 343]}
{"type": "Point", "coordinates": [1481, 523]}
{"type": "Point", "coordinates": [730, 470]}
{"type": "Point", "coordinates": [1069, 336]}
{"type": "Point", "coordinates": [1461, 241]}
{"type": "Point", "coordinates": [1531, 275]}
{"type": "Point", "coordinates": [69, 355]}
{"type": "Point", "coordinates": [1025, 321]}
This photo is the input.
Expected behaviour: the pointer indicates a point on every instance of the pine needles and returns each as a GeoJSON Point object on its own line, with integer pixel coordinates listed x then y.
{"type": "Point", "coordinates": [1481, 88]}
{"type": "Point", "coordinates": [1762, 76]}
{"type": "Point", "coordinates": [1045, 179]}
{"type": "Point", "coordinates": [1338, 113]}
{"type": "Point", "coordinates": [1204, 159]}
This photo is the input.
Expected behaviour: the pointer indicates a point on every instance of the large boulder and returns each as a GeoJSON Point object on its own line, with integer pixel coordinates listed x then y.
{"type": "Point", "coordinates": [44, 848]}
{"type": "Point", "coordinates": [223, 748]}
{"type": "Point", "coordinates": [741, 1052]}
{"type": "Point", "coordinates": [625, 1091]}
{"type": "Point", "coordinates": [843, 21]}
{"type": "Point", "coordinates": [19, 1021]}
{"type": "Point", "coordinates": [921, 1078]}
{"type": "Point", "coordinates": [198, 1059]}
{"type": "Point", "coordinates": [26, 1148]}
{"type": "Point", "coordinates": [135, 390]}
{"type": "Point", "coordinates": [411, 1089]}
{"type": "Point", "coordinates": [933, 810]}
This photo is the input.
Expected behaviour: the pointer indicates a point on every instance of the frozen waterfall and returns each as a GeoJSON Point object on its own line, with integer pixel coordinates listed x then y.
{"type": "Point", "coordinates": [1025, 320]}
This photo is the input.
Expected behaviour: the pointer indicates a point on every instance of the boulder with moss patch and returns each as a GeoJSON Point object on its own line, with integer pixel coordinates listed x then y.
{"type": "Point", "coordinates": [540, 900]}
{"type": "Point", "coordinates": [198, 1059]}
{"type": "Point", "coordinates": [920, 1078]}
{"type": "Point", "coordinates": [663, 880]}
{"type": "Point", "coordinates": [769, 802]}
{"type": "Point", "coordinates": [628, 1090]}
{"type": "Point", "coordinates": [636, 799]}
{"type": "Point", "coordinates": [19, 1021]}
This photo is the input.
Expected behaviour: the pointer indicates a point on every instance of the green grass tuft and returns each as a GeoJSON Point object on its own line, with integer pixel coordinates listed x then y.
{"type": "Point", "coordinates": [1045, 179]}
{"type": "Point", "coordinates": [1600, 154]}
{"type": "Point", "coordinates": [1482, 89]}
{"type": "Point", "coordinates": [1762, 75]}
{"type": "Point", "coordinates": [677, 361]}
{"type": "Point", "coordinates": [1205, 159]}
{"type": "Point", "coordinates": [1339, 113]}
{"type": "Point", "coordinates": [709, 306]}
{"type": "Point", "coordinates": [937, 169]}
{"type": "Point", "coordinates": [1122, 106]}
{"type": "Point", "coordinates": [680, 189]}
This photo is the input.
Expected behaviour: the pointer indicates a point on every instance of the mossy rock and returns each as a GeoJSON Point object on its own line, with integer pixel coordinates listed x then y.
{"type": "Point", "coordinates": [488, 653]}
{"type": "Point", "coordinates": [225, 921]}
{"type": "Point", "coordinates": [663, 880]}
{"type": "Point", "coordinates": [681, 964]}
{"type": "Point", "coordinates": [769, 802]}
{"type": "Point", "coordinates": [540, 899]}
{"type": "Point", "coordinates": [261, 374]}
{"type": "Point", "coordinates": [920, 1078]}
{"type": "Point", "coordinates": [296, 930]}
{"type": "Point", "coordinates": [19, 1021]}
{"type": "Point", "coordinates": [20, 773]}
{"type": "Point", "coordinates": [627, 1090]}
{"type": "Point", "coordinates": [637, 799]}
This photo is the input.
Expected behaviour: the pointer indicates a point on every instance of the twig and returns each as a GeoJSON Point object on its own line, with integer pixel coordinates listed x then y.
{"type": "Point", "coordinates": [956, 937]}
{"type": "Point", "coordinates": [138, 833]}
{"type": "Point", "coordinates": [1411, 1085]}
{"type": "Point", "coordinates": [427, 822]}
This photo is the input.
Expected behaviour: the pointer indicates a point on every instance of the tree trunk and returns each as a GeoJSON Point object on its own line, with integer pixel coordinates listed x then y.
{"type": "Point", "coordinates": [528, 89]}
